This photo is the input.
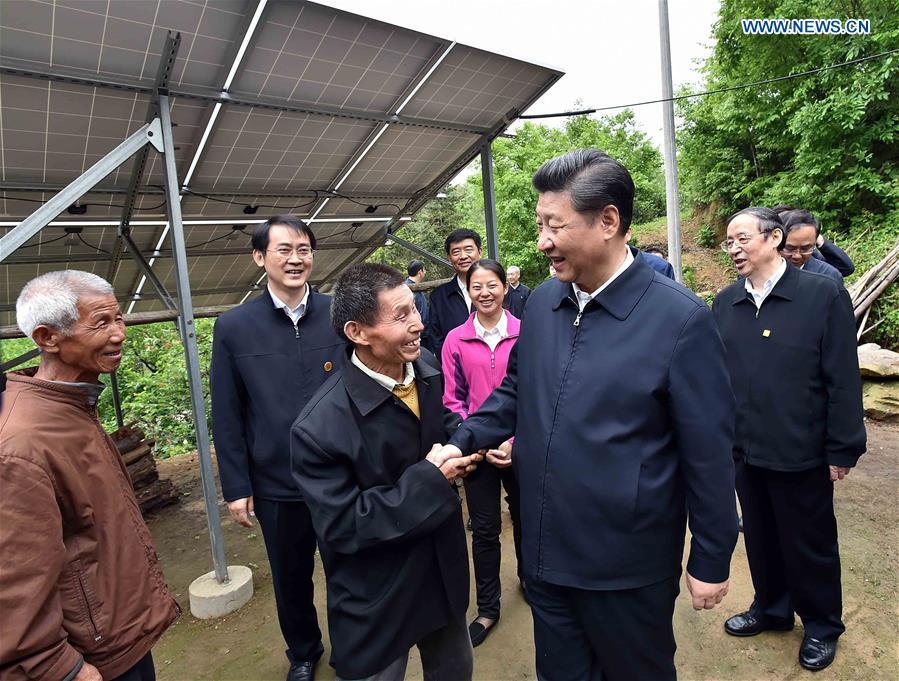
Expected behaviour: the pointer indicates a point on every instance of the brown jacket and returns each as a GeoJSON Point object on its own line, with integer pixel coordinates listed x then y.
{"type": "Point", "coordinates": [79, 574]}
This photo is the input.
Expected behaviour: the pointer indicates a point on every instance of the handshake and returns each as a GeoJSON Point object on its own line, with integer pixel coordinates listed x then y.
{"type": "Point", "coordinates": [453, 464]}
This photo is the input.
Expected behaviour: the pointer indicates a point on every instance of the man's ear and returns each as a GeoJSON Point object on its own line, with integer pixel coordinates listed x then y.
{"type": "Point", "coordinates": [46, 338]}
{"type": "Point", "coordinates": [356, 333]}
{"type": "Point", "coordinates": [259, 258]}
{"type": "Point", "coordinates": [609, 221]}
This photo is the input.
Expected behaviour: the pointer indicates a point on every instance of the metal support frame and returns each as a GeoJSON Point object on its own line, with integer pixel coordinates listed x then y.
{"type": "Point", "coordinates": [17, 361]}
{"type": "Point", "coordinates": [672, 201]}
{"type": "Point", "coordinates": [34, 223]}
{"type": "Point", "coordinates": [418, 250]}
{"type": "Point", "coordinates": [116, 399]}
{"type": "Point", "coordinates": [142, 263]}
{"type": "Point", "coordinates": [189, 336]}
{"type": "Point", "coordinates": [489, 200]}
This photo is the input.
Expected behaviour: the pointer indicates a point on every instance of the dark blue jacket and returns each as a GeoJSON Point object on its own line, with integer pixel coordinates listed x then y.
{"type": "Point", "coordinates": [515, 300]}
{"type": "Point", "coordinates": [446, 311]}
{"type": "Point", "coordinates": [623, 423]}
{"type": "Point", "coordinates": [421, 301]}
{"type": "Point", "coordinates": [835, 256]}
{"type": "Point", "coordinates": [794, 368]}
{"type": "Point", "coordinates": [660, 265]}
{"type": "Point", "coordinates": [821, 267]}
{"type": "Point", "coordinates": [264, 370]}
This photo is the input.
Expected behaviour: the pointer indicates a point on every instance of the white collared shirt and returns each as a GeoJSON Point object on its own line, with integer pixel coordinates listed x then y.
{"type": "Point", "coordinates": [464, 289]}
{"type": "Point", "coordinates": [584, 298]}
{"type": "Point", "coordinates": [758, 297]}
{"type": "Point", "coordinates": [492, 336]}
{"type": "Point", "coordinates": [296, 314]}
{"type": "Point", "coordinates": [381, 379]}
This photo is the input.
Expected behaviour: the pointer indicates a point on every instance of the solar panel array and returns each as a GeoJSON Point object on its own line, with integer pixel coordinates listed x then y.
{"type": "Point", "coordinates": [338, 118]}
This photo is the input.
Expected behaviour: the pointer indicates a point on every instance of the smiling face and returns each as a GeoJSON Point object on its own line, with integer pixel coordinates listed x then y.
{"type": "Point", "coordinates": [486, 291]}
{"type": "Point", "coordinates": [513, 275]}
{"type": "Point", "coordinates": [394, 338]}
{"type": "Point", "coordinates": [751, 251]}
{"type": "Point", "coordinates": [94, 345]}
{"type": "Point", "coordinates": [462, 254]}
{"type": "Point", "coordinates": [800, 244]}
{"type": "Point", "coordinates": [287, 270]}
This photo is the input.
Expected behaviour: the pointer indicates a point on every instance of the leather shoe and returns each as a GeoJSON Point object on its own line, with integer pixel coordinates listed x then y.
{"type": "Point", "coordinates": [478, 633]}
{"type": "Point", "coordinates": [747, 624]}
{"type": "Point", "coordinates": [301, 671]}
{"type": "Point", "coordinates": [816, 655]}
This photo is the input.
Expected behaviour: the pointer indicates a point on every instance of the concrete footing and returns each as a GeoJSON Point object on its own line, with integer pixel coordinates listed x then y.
{"type": "Point", "coordinates": [209, 599]}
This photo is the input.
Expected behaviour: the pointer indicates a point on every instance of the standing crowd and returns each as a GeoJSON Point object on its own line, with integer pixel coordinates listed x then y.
{"type": "Point", "coordinates": [609, 407]}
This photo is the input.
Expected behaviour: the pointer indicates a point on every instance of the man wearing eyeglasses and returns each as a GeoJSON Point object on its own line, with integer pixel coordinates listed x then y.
{"type": "Point", "coordinates": [269, 356]}
{"type": "Point", "coordinates": [791, 352]}
{"type": "Point", "coordinates": [803, 229]}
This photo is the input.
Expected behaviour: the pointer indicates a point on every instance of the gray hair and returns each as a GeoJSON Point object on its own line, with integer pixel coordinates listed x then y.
{"type": "Point", "coordinates": [513, 268]}
{"type": "Point", "coordinates": [52, 299]}
{"type": "Point", "coordinates": [768, 220]}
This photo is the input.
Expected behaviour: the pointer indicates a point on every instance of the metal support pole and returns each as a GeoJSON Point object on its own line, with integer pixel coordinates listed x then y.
{"type": "Point", "coordinates": [141, 261]}
{"type": "Point", "coordinates": [489, 201]}
{"type": "Point", "coordinates": [39, 219]}
{"type": "Point", "coordinates": [671, 198]}
{"type": "Point", "coordinates": [189, 336]}
{"type": "Point", "coordinates": [418, 250]}
{"type": "Point", "coordinates": [116, 399]}
{"type": "Point", "coordinates": [21, 359]}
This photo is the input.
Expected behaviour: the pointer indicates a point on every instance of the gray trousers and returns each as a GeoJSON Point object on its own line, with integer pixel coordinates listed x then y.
{"type": "Point", "coordinates": [446, 655]}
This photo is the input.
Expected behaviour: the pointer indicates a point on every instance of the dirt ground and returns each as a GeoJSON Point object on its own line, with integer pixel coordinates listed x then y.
{"type": "Point", "coordinates": [247, 645]}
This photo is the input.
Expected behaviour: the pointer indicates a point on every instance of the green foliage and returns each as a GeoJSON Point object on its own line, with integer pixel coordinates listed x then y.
{"type": "Point", "coordinates": [516, 160]}
{"type": "Point", "coordinates": [689, 275]}
{"type": "Point", "coordinates": [706, 236]}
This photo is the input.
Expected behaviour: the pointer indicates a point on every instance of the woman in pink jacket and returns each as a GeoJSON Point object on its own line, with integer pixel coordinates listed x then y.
{"type": "Point", "coordinates": [474, 357]}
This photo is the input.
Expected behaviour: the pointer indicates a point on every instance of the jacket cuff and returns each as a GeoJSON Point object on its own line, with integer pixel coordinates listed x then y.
{"type": "Point", "coordinates": [707, 569]}
{"type": "Point", "coordinates": [238, 492]}
{"type": "Point", "coordinates": [66, 665]}
{"type": "Point", "coordinates": [72, 674]}
{"type": "Point", "coordinates": [843, 460]}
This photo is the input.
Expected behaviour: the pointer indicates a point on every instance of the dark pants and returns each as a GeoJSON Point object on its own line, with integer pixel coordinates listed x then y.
{"type": "Point", "coordinates": [446, 655]}
{"type": "Point", "coordinates": [790, 533]}
{"type": "Point", "coordinates": [483, 489]}
{"type": "Point", "coordinates": [142, 671]}
{"type": "Point", "coordinates": [585, 635]}
{"type": "Point", "coordinates": [290, 543]}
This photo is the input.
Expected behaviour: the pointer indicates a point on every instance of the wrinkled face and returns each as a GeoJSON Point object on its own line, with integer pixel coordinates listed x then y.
{"type": "Point", "coordinates": [462, 254]}
{"type": "Point", "coordinates": [747, 247]}
{"type": "Point", "coordinates": [575, 243]}
{"type": "Point", "coordinates": [287, 260]}
{"type": "Point", "coordinates": [800, 244]}
{"type": "Point", "coordinates": [514, 276]}
{"type": "Point", "coordinates": [394, 339]}
{"type": "Point", "coordinates": [486, 291]}
{"type": "Point", "coordinates": [95, 345]}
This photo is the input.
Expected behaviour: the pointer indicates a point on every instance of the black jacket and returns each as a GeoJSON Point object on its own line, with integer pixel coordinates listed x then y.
{"type": "Point", "coordinates": [389, 525]}
{"type": "Point", "coordinates": [263, 372]}
{"type": "Point", "coordinates": [822, 267]}
{"type": "Point", "coordinates": [623, 422]}
{"type": "Point", "coordinates": [794, 368]}
{"type": "Point", "coordinates": [835, 256]}
{"type": "Point", "coordinates": [515, 300]}
{"type": "Point", "coordinates": [446, 311]}
{"type": "Point", "coordinates": [421, 301]}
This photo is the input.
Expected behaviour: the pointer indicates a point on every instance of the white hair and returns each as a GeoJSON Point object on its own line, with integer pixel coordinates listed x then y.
{"type": "Point", "coordinates": [513, 268]}
{"type": "Point", "coordinates": [52, 299]}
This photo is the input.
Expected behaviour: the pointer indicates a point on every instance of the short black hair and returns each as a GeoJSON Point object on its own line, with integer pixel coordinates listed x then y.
{"type": "Point", "coordinates": [458, 235]}
{"type": "Point", "coordinates": [259, 240]}
{"type": "Point", "coordinates": [654, 249]}
{"type": "Point", "coordinates": [782, 208]}
{"type": "Point", "coordinates": [799, 218]}
{"type": "Point", "coordinates": [768, 221]}
{"type": "Point", "coordinates": [593, 179]}
{"type": "Point", "coordinates": [415, 267]}
{"type": "Point", "coordinates": [356, 294]}
{"type": "Point", "coordinates": [486, 264]}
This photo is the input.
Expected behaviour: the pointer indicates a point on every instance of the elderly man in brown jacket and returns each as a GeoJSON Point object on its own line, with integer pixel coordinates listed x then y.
{"type": "Point", "coordinates": [82, 596]}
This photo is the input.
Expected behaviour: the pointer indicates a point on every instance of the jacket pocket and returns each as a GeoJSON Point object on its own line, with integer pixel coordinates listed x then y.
{"type": "Point", "coordinates": [80, 608]}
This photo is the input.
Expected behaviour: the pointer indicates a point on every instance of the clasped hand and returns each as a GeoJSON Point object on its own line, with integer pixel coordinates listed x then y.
{"type": "Point", "coordinates": [451, 462]}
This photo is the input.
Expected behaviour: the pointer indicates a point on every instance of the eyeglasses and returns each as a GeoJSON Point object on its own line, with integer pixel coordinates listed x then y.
{"type": "Point", "coordinates": [741, 239]}
{"type": "Point", "coordinates": [802, 250]}
{"type": "Point", "coordinates": [284, 252]}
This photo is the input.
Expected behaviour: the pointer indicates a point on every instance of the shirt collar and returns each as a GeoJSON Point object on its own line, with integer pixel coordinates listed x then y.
{"type": "Point", "coordinates": [299, 310]}
{"type": "Point", "coordinates": [767, 287]}
{"type": "Point", "coordinates": [382, 380]}
{"type": "Point", "coordinates": [583, 298]}
{"type": "Point", "coordinates": [501, 328]}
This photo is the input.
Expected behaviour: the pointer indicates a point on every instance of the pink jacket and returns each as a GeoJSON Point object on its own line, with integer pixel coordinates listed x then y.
{"type": "Point", "coordinates": [470, 370]}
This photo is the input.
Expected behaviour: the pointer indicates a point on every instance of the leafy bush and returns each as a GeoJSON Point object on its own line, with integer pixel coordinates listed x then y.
{"type": "Point", "coordinates": [706, 236]}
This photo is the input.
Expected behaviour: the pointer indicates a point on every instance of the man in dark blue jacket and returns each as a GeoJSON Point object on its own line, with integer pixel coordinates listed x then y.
{"type": "Point", "coordinates": [517, 295]}
{"type": "Point", "coordinates": [619, 399]}
{"type": "Point", "coordinates": [417, 274]}
{"type": "Point", "coordinates": [802, 230]}
{"type": "Point", "coordinates": [826, 252]}
{"type": "Point", "coordinates": [269, 356]}
{"type": "Point", "coordinates": [450, 304]}
{"type": "Point", "coordinates": [791, 352]}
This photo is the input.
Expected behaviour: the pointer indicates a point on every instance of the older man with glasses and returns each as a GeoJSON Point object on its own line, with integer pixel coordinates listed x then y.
{"type": "Point", "coordinates": [269, 356]}
{"type": "Point", "coordinates": [791, 352]}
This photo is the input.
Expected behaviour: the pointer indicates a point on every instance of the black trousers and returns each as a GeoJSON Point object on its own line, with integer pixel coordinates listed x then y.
{"type": "Point", "coordinates": [483, 489]}
{"type": "Point", "coordinates": [790, 533]}
{"type": "Point", "coordinates": [586, 635]}
{"type": "Point", "coordinates": [142, 671]}
{"type": "Point", "coordinates": [290, 543]}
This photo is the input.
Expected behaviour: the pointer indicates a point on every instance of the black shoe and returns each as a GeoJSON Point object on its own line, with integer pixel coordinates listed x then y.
{"type": "Point", "coordinates": [747, 624]}
{"type": "Point", "coordinates": [478, 633]}
{"type": "Point", "coordinates": [301, 671]}
{"type": "Point", "coordinates": [816, 655]}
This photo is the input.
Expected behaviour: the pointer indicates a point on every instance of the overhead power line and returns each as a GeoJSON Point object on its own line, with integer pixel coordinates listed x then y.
{"type": "Point", "coordinates": [744, 86]}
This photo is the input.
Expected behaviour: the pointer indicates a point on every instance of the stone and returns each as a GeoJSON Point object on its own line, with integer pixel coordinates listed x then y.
{"type": "Point", "coordinates": [877, 362]}
{"type": "Point", "coordinates": [881, 399]}
{"type": "Point", "coordinates": [209, 599]}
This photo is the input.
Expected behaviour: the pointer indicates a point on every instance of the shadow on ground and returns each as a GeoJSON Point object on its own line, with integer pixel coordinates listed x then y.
{"type": "Point", "coordinates": [247, 645]}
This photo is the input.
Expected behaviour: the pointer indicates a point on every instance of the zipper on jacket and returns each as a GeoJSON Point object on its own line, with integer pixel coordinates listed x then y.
{"type": "Point", "coordinates": [492, 359]}
{"type": "Point", "coordinates": [95, 633]}
{"type": "Point", "coordinates": [296, 331]}
{"type": "Point", "coordinates": [577, 320]}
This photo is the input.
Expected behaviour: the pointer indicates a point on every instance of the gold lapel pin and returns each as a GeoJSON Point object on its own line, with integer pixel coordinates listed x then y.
{"type": "Point", "coordinates": [766, 333]}
{"type": "Point", "coordinates": [328, 366]}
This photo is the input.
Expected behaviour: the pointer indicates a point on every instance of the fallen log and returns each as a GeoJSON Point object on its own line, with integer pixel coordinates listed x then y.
{"type": "Point", "coordinates": [143, 471]}
{"type": "Point", "coordinates": [138, 452]}
{"type": "Point", "coordinates": [158, 494]}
